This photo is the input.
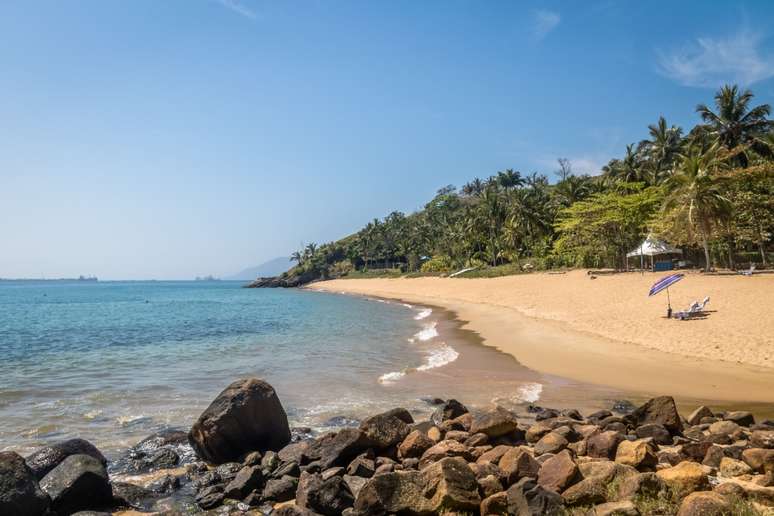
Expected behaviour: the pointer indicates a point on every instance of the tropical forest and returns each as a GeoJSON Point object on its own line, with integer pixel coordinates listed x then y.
{"type": "Point", "coordinates": [708, 190]}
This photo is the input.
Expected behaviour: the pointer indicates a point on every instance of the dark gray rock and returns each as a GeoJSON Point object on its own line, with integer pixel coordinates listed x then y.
{"type": "Point", "coordinates": [329, 497]}
{"type": "Point", "coordinates": [210, 497]}
{"type": "Point", "coordinates": [280, 489]}
{"type": "Point", "coordinates": [450, 409]}
{"type": "Point", "coordinates": [388, 429]}
{"type": "Point", "coordinates": [79, 482]}
{"type": "Point", "coordinates": [338, 449]}
{"type": "Point", "coordinates": [246, 480]}
{"type": "Point", "coordinates": [49, 457]}
{"type": "Point", "coordinates": [246, 416]}
{"type": "Point", "coordinates": [20, 494]}
{"type": "Point", "coordinates": [132, 496]}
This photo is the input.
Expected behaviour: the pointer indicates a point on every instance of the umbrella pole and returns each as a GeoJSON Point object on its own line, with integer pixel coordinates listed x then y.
{"type": "Point", "coordinates": [669, 305]}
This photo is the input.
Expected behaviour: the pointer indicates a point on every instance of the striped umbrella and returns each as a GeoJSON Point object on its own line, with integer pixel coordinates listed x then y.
{"type": "Point", "coordinates": [664, 284]}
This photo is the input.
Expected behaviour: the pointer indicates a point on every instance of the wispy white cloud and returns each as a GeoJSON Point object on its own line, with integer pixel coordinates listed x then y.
{"type": "Point", "coordinates": [543, 22]}
{"type": "Point", "coordinates": [710, 62]}
{"type": "Point", "coordinates": [238, 7]}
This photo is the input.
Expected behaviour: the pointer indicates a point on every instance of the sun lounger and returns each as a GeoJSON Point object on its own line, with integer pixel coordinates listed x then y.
{"type": "Point", "coordinates": [749, 272]}
{"type": "Point", "coordinates": [695, 309]}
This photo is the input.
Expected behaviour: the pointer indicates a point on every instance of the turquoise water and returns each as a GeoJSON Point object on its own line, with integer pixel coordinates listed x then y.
{"type": "Point", "coordinates": [115, 361]}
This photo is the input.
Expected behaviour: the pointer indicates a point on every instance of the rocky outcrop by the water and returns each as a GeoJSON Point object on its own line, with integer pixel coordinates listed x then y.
{"type": "Point", "coordinates": [650, 460]}
{"type": "Point", "coordinates": [284, 281]}
{"type": "Point", "coordinates": [247, 416]}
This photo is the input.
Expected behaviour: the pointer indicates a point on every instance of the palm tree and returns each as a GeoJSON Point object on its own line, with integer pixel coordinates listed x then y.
{"type": "Point", "coordinates": [737, 124]}
{"type": "Point", "coordinates": [662, 148]}
{"type": "Point", "coordinates": [475, 187]}
{"type": "Point", "coordinates": [628, 169]}
{"type": "Point", "coordinates": [297, 257]}
{"type": "Point", "coordinates": [697, 193]}
{"type": "Point", "coordinates": [509, 179]}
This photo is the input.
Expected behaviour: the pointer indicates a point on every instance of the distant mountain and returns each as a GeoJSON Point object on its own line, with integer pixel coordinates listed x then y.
{"type": "Point", "coordinates": [273, 267]}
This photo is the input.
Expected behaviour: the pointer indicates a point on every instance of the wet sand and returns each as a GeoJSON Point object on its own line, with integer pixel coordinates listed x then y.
{"type": "Point", "coordinates": [606, 332]}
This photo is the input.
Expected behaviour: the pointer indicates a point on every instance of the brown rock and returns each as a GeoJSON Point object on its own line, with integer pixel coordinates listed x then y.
{"type": "Point", "coordinates": [494, 423]}
{"type": "Point", "coordinates": [762, 439]}
{"type": "Point", "coordinates": [724, 428]}
{"type": "Point", "coordinates": [552, 442]}
{"type": "Point", "coordinates": [697, 415]}
{"type": "Point", "coordinates": [494, 454]}
{"type": "Point", "coordinates": [685, 478]}
{"type": "Point", "coordinates": [518, 463]}
{"type": "Point", "coordinates": [639, 454]}
{"type": "Point", "coordinates": [759, 459]}
{"type": "Point", "coordinates": [434, 434]}
{"type": "Point", "coordinates": [558, 472]}
{"type": "Point", "coordinates": [604, 445]}
{"type": "Point", "coordinates": [704, 503]}
{"type": "Point", "coordinates": [415, 444]}
{"type": "Point", "coordinates": [443, 450]}
{"type": "Point", "coordinates": [660, 410]}
{"type": "Point", "coordinates": [536, 431]}
{"type": "Point", "coordinates": [387, 429]}
{"type": "Point", "coordinates": [489, 485]}
{"type": "Point", "coordinates": [496, 504]}
{"type": "Point", "coordinates": [740, 417]}
{"type": "Point", "coordinates": [733, 468]}
{"type": "Point", "coordinates": [624, 508]}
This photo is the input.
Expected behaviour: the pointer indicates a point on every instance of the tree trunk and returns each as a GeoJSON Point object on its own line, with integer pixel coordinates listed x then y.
{"type": "Point", "coordinates": [705, 245]}
{"type": "Point", "coordinates": [762, 250]}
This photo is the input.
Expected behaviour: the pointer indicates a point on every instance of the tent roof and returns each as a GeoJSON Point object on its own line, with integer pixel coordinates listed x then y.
{"type": "Point", "coordinates": [651, 247]}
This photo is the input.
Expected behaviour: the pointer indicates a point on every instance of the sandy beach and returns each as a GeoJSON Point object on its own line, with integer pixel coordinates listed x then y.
{"type": "Point", "coordinates": [607, 331]}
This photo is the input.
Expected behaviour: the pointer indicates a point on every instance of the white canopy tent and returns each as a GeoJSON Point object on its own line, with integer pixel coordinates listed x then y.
{"type": "Point", "coordinates": [652, 246]}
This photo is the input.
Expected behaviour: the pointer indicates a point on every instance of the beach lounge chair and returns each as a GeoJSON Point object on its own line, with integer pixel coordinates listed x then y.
{"type": "Point", "coordinates": [695, 309]}
{"type": "Point", "coordinates": [748, 272]}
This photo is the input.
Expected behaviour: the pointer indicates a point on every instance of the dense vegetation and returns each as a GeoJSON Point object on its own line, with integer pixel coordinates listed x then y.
{"type": "Point", "coordinates": [709, 191]}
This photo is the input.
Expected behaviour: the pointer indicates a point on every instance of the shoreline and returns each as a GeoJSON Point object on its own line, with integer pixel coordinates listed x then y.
{"type": "Point", "coordinates": [557, 348]}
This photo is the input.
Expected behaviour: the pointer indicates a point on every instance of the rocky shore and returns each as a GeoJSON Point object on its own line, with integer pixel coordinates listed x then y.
{"type": "Point", "coordinates": [242, 457]}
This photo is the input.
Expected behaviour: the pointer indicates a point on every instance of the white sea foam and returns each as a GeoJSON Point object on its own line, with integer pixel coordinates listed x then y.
{"type": "Point", "coordinates": [408, 305]}
{"type": "Point", "coordinates": [439, 357]}
{"type": "Point", "coordinates": [428, 332]}
{"type": "Point", "coordinates": [530, 392]}
{"type": "Point", "coordinates": [391, 377]}
{"type": "Point", "coordinates": [423, 314]}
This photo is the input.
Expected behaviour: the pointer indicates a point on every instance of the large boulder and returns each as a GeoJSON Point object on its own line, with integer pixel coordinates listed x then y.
{"type": "Point", "coordinates": [660, 410]}
{"type": "Point", "coordinates": [47, 458]}
{"type": "Point", "coordinates": [450, 484]}
{"type": "Point", "coordinates": [79, 482]}
{"type": "Point", "coordinates": [20, 494]}
{"type": "Point", "coordinates": [246, 416]}
{"type": "Point", "coordinates": [552, 442]}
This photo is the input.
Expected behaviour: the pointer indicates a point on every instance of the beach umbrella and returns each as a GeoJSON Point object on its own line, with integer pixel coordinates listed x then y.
{"type": "Point", "coordinates": [664, 284]}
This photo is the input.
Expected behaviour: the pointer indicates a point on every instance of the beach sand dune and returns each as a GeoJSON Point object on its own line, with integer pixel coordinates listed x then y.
{"type": "Point", "coordinates": [608, 331]}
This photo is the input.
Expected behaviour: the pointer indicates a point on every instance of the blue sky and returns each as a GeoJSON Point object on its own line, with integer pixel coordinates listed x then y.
{"type": "Point", "coordinates": [169, 139]}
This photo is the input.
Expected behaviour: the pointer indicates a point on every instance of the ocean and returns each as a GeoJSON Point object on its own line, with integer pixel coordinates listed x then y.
{"type": "Point", "coordinates": [113, 362]}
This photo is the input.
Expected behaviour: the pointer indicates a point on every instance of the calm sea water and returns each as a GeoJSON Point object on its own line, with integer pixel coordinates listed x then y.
{"type": "Point", "coordinates": [114, 361]}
